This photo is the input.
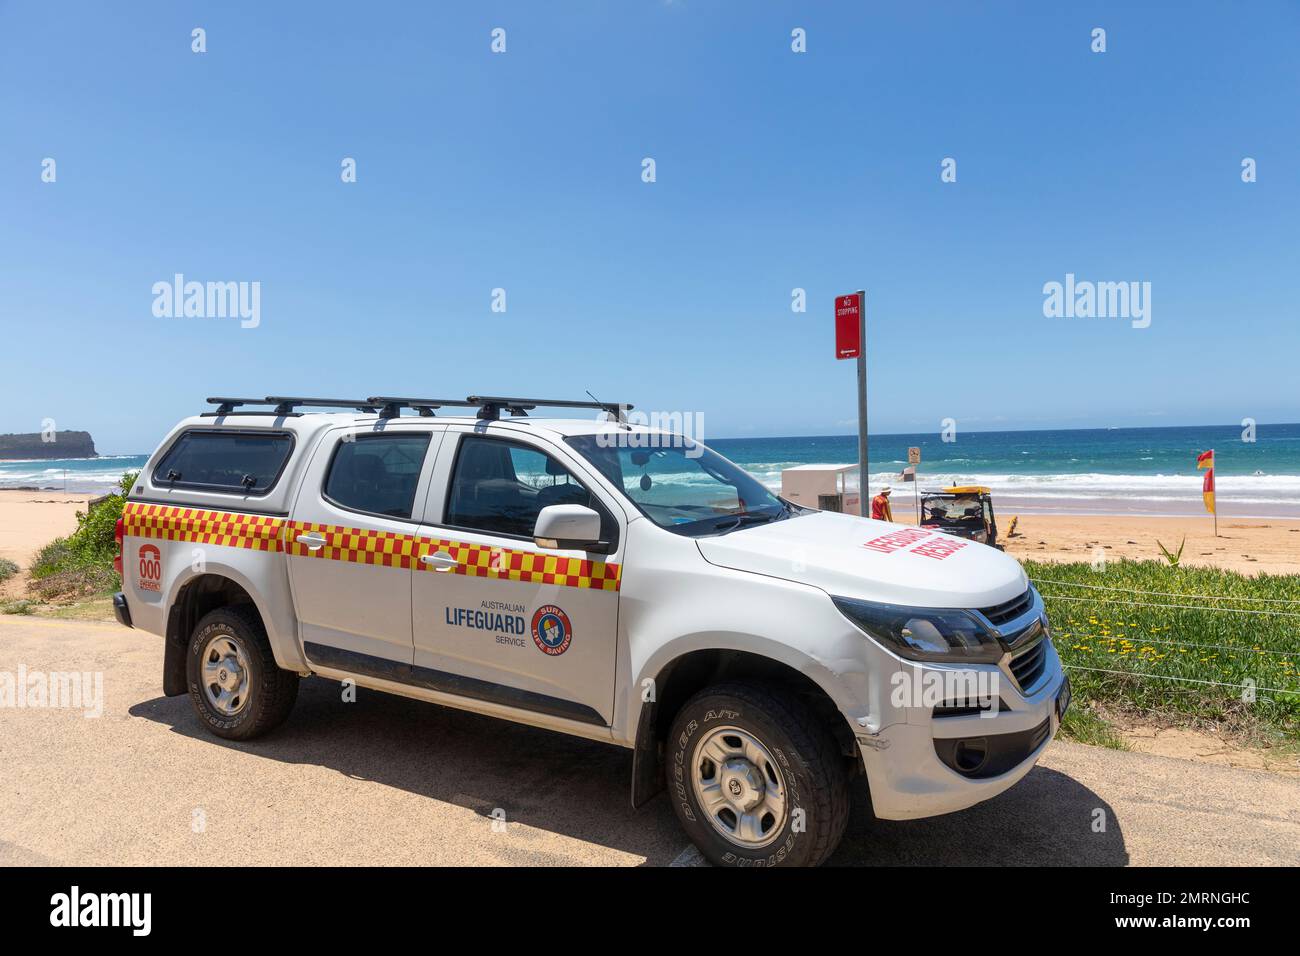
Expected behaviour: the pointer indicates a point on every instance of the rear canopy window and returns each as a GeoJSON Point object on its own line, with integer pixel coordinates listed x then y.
{"type": "Point", "coordinates": [243, 462]}
{"type": "Point", "coordinates": [377, 474]}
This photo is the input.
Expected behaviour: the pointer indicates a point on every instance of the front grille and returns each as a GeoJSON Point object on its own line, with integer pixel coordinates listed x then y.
{"type": "Point", "coordinates": [999, 614]}
{"type": "Point", "coordinates": [1027, 666]}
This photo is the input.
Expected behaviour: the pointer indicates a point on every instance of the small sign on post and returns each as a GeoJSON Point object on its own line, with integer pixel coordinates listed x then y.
{"type": "Point", "coordinates": [848, 326]}
{"type": "Point", "coordinates": [851, 343]}
{"type": "Point", "coordinates": [914, 459]}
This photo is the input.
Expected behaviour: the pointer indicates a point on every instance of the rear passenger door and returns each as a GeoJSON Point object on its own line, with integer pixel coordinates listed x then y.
{"type": "Point", "coordinates": [351, 545]}
{"type": "Point", "coordinates": [518, 625]}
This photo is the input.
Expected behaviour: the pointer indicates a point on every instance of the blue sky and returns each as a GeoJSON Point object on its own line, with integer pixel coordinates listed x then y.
{"type": "Point", "coordinates": [775, 171]}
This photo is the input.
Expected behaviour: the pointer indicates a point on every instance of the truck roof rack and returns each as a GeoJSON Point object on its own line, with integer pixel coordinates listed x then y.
{"type": "Point", "coordinates": [227, 405]}
{"type": "Point", "coordinates": [491, 406]}
{"type": "Point", "coordinates": [391, 407]}
{"type": "Point", "coordinates": [286, 404]}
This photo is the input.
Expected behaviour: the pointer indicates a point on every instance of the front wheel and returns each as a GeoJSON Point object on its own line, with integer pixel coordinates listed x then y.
{"type": "Point", "coordinates": [235, 686]}
{"type": "Point", "coordinates": [755, 779]}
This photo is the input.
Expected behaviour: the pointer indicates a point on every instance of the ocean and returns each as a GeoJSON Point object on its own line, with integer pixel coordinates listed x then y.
{"type": "Point", "coordinates": [1069, 471]}
{"type": "Point", "coordinates": [1138, 471]}
{"type": "Point", "coordinates": [95, 475]}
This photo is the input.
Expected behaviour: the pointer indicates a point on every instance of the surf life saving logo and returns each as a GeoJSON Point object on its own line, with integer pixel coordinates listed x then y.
{"type": "Point", "coordinates": [552, 631]}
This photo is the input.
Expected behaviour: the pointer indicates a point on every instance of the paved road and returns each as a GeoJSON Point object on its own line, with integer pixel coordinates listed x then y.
{"type": "Point", "coordinates": [387, 780]}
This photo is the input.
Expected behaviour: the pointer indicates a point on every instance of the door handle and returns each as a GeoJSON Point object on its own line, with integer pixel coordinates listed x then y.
{"type": "Point", "coordinates": [440, 561]}
{"type": "Point", "coordinates": [312, 540]}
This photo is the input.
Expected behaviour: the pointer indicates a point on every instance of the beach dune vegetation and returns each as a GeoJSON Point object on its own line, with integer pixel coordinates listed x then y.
{"type": "Point", "coordinates": [81, 565]}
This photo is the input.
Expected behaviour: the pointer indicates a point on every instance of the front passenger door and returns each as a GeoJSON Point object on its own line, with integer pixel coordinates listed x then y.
{"type": "Point", "coordinates": [530, 628]}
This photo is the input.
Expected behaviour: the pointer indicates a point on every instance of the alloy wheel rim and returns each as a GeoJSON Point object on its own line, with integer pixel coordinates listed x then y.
{"type": "Point", "coordinates": [226, 675]}
{"type": "Point", "coordinates": [739, 787]}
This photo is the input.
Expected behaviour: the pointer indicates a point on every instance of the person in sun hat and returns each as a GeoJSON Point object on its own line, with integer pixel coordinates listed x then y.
{"type": "Point", "coordinates": [880, 505]}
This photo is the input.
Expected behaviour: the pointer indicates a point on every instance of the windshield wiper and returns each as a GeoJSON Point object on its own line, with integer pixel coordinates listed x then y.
{"type": "Point", "coordinates": [744, 518]}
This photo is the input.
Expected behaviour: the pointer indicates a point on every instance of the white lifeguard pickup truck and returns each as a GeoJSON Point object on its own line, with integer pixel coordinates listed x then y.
{"type": "Point", "coordinates": [596, 578]}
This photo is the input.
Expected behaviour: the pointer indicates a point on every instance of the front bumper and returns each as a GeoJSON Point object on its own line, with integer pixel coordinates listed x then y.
{"type": "Point", "coordinates": [908, 763]}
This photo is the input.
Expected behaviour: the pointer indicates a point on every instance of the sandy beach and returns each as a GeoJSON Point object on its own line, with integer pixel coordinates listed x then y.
{"type": "Point", "coordinates": [28, 521]}
{"type": "Point", "coordinates": [1246, 545]}
{"type": "Point", "coordinates": [1251, 546]}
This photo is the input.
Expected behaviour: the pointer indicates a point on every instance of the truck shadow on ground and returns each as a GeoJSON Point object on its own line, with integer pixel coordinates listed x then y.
{"type": "Point", "coordinates": [580, 789]}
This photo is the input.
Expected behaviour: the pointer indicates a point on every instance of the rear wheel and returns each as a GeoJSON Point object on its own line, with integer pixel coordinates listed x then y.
{"type": "Point", "coordinates": [235, 686]}
{"type": "Point", "coordinates": [754, 778]}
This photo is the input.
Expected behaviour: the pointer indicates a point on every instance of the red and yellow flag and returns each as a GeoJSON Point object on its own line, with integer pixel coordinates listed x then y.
{"type": "Point", "coordinates": [1206, 460]}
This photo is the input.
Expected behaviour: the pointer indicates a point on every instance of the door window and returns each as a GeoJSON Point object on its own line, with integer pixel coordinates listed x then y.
{"type": "Point", "coordinates": [377, 474]}
{"type": "Point", "coordinates": [500, 487]}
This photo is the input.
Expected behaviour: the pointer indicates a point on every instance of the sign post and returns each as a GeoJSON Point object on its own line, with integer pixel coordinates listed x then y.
{"type": "Point", "coordinates": [850, 342]}
{"type": "Point", "coordinates": [914, 459]}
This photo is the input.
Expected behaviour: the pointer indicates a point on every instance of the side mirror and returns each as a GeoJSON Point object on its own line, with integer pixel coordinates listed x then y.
{"type": "Point", "coordinates": [568, 526]}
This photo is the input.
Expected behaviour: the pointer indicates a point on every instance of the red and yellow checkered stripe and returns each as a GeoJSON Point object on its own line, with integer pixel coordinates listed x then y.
{"type": "Point", "coordinates": [484, 561]}
{"type": "Point", "coordinates": [224, 528]}
{"type": "Point", "coordinates": [354, 545]}
{"type": "Point", "coordinates": [387, 549]}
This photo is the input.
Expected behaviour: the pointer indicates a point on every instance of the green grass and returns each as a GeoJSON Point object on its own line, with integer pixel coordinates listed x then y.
{"type": "Point", "coordinates": [1083, 725]}
{"type": "Point", "coordinates": [20, 606]}
{"type": "Point", "coordinates": [98, 608]}
{"type": "Point", "coordinates": [1186, 662]}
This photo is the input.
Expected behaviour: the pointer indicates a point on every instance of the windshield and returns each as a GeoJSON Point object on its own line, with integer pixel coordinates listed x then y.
{"type": "Point", "coordinates": [960, 508]}
{"type": "Point", "coordinates": [686, 488]}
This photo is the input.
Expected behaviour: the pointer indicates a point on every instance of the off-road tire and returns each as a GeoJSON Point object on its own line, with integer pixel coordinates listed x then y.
{"type": "Point", "coordinates": [801, 745]}
{"type": "Point", "coordinates": [272, 691]}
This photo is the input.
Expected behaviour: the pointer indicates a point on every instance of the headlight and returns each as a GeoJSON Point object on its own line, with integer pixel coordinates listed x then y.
{"type": "Point", "coordinates": [924, 634]}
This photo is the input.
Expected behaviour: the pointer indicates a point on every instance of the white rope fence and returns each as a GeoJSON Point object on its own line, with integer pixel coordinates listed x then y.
{"type": "Point", "coordinates": [1172, 641]}
{"type": "Point", "coordinates": [1185, 680]}
{"type": "Point", "coordinates": [1178, 643]}
{"type": "Point", "coordinates": [1185, 607]}
{"type": "Point", "coordinates": [1207, 597]}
